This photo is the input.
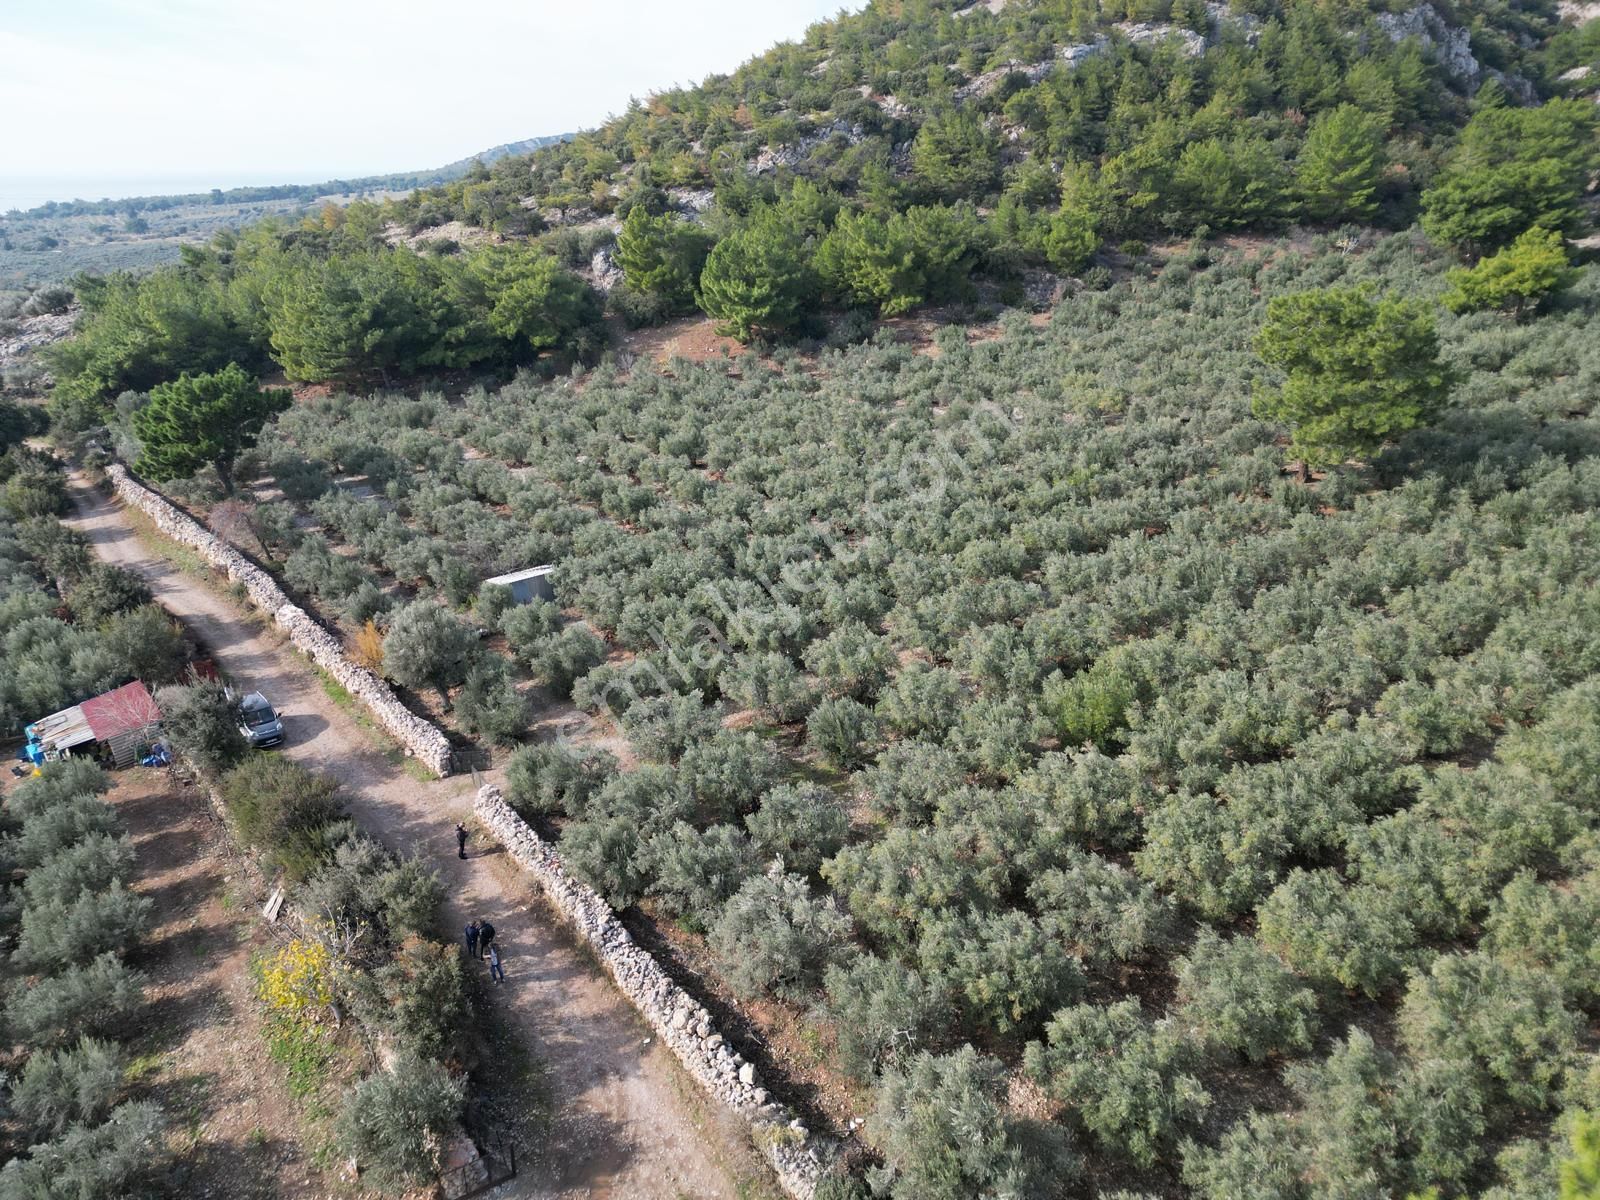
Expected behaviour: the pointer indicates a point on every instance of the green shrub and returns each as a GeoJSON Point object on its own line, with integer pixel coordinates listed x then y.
{"type": "Point", "coordinates": [89, 866]}
{"type": "Point", "coordinates": [553, 777]}
{"type": "Point", "coordinates": [284, 811]}
{"type": "Point", "coordinates": [843, 730]}
{"type": "Point", "coordinates": [1101, 911]}
{"type": "Point", "coordinates": [105, 590]}
{"type": "Point", "coordinates": [419, 998]}
{"type": "Point", "coordinates": [74, 1085]}
{"type": "Point", "coordinates": [1126, 1079]}
{"type": "Point", "coordinates": [1004, 969]}
{"type": "Point", "coordinates": [884, 1013]}
{"type": "Point", "coordinates": [945, 1133]}
{"type": "Point", "coordinates": [1508, 1022]}
{"type": "Point", "coordinates": [53, 830]}
{"type": "Point", "coordinates": [774, 935]}
{"type": "Point", "coordinates": [489, 705]}
{"type": "Point", "coordinates": [427, 647]}
{"type": "Point", "coordinates": [57, 781]}
{"type": "Point", "coordinates": [800, 825]}
{"type": "Point", "coordinates": [696, 871]}
{"type": "Point", "coordinates": [1330, 933]}
{"type": "Point", "coordinates": [727, 773]}
{"type": "Point", "coordinates": [91, 999]}
{"type": "Point", "coordinates": [201, 724]}
{"type": "Point", "coordinates": [64, 933]}
{"type": "Point", "coordinates": [1233, 995]}
{"type": "Point", "coordinates": [395, 1122]}
{"type": "Point", "coordinates": [92, 1161]}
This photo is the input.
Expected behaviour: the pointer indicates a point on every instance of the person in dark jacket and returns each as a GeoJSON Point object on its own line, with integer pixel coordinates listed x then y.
{"type": "Point", "coordinates": [485, 936]}
{"type": "Point", "coordinates": [495, 971]}
{"type": "Point", "coordinates": [473, 933]}
{"type": "Point", "coordinates": [461, 840]}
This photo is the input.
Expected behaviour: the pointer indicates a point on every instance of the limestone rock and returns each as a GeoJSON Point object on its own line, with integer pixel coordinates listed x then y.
{"type": "Point", "coordinates": [1450, 44]}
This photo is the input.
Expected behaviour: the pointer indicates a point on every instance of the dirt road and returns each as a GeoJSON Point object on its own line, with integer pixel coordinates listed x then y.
{"type": "Point", "coordinates": [628, 1123]}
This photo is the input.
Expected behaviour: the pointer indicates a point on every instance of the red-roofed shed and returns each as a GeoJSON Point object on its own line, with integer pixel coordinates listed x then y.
{"type": "Point", "coordinates": [123, 721]}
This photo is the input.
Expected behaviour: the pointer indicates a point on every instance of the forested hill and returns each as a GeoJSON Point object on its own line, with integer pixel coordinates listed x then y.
{"type": "Point", "coordinates": [1157, 114]}
{"type": "Point", "coordinates": [913, 153]}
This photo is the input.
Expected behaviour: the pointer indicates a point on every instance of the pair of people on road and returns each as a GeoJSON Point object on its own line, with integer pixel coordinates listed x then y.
{"type": "Point", "coordinates": [479, 934]}
{"type": "Point", "coordinates": [480, 945]}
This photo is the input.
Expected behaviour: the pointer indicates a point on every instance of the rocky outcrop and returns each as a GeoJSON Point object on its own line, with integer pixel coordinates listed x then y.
{"type": "Point", "coordinates": [604, 272]}
{"type": "Point", "coordinates": [1071, 56]}
{"type": "Point", "coordinates": [693, 201]}
{"type": "Point", "coordinates": [416, 736]}
{"type": "Point", "coordinates": [28, 334]}
{"type": "Point", "coordinates": [983, 85]}
{"type": "Point", "coordinates": [773, 157]}
{"type": "Point", "coordinates": [680, 1021]}
{"type": "Point", "coordinates": [1190, 44]}
{"type": "Point", "coordinates": [1450, 44]}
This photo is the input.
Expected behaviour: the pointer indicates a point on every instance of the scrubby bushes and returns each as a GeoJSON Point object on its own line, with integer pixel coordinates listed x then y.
{"type": "Point", "coordinates": [774, 935]}
{"type": "Point", "coordinates": [75, 920]}
{"type": "Point", "coordinates": [945, 1135]}
{"type": "Point", "coordinates": [291, 815]}
{"type": "Point", "coordinates": [365, 919]}
{"type": "Point", "coordinates": [394, 1122]}
{"type": "Point", "coordinates": [201, 725]}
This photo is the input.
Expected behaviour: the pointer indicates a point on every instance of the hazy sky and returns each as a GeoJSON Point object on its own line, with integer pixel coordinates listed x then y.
{"type": "Point", "coordinates": [296, 89]}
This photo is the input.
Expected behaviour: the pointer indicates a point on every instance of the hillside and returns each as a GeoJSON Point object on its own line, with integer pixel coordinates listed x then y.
{"type": "Point", "coordinates": [1097, 686]}
{"type": "Point", "coordinates": [51, 243]}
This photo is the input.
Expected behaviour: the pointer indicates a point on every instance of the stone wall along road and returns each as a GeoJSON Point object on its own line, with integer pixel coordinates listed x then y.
{"type": "Point", "coordinates": [416, 736]}
{"type": "Point", "coordinates": [680, 1021]}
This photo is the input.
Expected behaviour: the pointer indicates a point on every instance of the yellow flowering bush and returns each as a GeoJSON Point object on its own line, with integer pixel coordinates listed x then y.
{"type": "Point", "coordinates": [296, 979]}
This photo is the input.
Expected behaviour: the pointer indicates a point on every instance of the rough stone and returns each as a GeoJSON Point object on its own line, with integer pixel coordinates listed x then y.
{"type": "Point", "coordinates": [983, 85]}
{"type": "Point", "coordinates": [1450, 44]}
{"type": "Point", "coordinates": [1071, 56]}
{"type": "Point", "coordinates": [33, 333]}
{"type": "Point", "coordinates": [1190, 43]}
{"type": "Point", "coordinates": [799, 1159]}
{"type": "Point", "coordinates": [604, 272]}
{"type": "Point", "coordinates": [418, 737]}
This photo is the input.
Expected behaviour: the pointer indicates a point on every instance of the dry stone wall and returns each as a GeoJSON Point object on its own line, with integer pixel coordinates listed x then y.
{"type": "Point", "coordinates": [799, 1158]}
{"type": "Point", "coordinates": [417, 736]}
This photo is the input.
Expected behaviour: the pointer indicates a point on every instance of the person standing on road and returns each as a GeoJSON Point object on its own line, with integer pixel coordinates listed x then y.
{"type": "Point", "coordinates": [461, 840]}
{"type": "Point", "coordinates": [473, 934]}
{"type": "Point", "coordinates": [485, 936]}
{"type": "Point", "coordinates": [495, 971]}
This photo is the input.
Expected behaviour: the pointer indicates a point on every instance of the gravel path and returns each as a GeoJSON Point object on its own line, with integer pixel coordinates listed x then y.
{"type": "Point", "coordinates": [628, 1122]}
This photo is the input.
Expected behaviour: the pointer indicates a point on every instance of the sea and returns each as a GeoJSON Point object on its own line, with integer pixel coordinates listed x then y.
{"type": "Point", "coordinates": [26, 193]}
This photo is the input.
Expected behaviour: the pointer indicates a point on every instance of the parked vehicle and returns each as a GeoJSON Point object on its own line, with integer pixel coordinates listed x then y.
{"type": "Point", "coordinates": [258, 722]}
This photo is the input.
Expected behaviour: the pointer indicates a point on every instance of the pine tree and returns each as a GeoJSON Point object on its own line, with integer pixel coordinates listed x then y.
{"type": "Point", "coordinates": [1360, 371]}
{"type": "Point", "coordinates": [204, 420]}
{"type": "Point", "coordinates": [1338, 169]}
{"type": "Point", "coordinates": [1518, 278]}
{"type": "Point", "coordinates": [757, 280]}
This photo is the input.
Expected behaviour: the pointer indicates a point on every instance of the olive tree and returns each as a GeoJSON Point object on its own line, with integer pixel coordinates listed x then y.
{"type": "Point", "coordinates": [945, 1133]}
{"type": "Point", "coordinates": [774, 935]}
{"type": "Point", "coordinates": [1125, 1078]}
{"type": "Point", "coordinates": [426, 646]}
